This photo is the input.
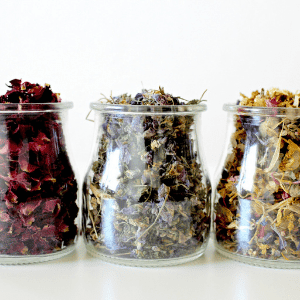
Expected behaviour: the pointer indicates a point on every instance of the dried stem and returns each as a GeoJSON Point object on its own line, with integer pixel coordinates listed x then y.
{"type": "Point", "coordinates": [94, 227]}
{"type": "Point", "coordinates": [158, 215]}
{"type": "Point", "coordinates": [203, 95]}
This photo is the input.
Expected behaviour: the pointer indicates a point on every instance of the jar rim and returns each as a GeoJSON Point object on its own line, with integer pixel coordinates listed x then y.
{"type": "Point", "coordinates": [261, 111]}
{"type": "Point", "coordinates": [34, 107]}
{"type": "Point", "coordinates": [156, 109]}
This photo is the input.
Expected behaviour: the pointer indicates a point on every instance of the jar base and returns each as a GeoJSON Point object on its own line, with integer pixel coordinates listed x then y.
{"type": "Point", "coordinates": [148, 263]}
{"type": "Point", "coordinates": [31, 259]}
{"type": "Point", "coordinates": [276, 264]}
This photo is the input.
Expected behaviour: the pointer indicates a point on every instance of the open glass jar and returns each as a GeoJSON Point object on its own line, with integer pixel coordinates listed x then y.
{"type": "Point", "coordinates": [146, 193]}
{"type": "Point", "coordinates": [38, 188]}
{"type": "Point", "coordinates": [257, 193]}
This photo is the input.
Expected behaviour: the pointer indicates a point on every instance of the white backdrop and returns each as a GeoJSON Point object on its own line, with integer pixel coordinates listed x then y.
{"type": "Point", "coordinates": [85, 48]}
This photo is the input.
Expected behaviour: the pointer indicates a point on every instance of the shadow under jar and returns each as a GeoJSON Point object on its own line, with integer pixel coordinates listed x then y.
{"type": "Point", "coordinates": [146, 193]}
{"type": "Point", "coordinates": [38, 188]}
{"type": "Point", "coordinates": [257, 194]}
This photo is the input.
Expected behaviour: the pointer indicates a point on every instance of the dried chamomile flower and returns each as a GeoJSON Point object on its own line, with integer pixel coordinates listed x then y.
{"type": "Point", "coordinates": [258, 196]}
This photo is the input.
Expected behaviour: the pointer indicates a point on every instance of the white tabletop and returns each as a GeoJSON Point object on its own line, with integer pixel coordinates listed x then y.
{"type": "Point", "coordinates": [80, 276]}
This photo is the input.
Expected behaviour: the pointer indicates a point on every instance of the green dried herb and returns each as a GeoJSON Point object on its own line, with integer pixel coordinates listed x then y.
{"type": "Point", "coordinates": [155, 201]}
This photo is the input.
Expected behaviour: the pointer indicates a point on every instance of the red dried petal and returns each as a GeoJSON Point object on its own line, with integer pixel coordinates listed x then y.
{"type": "Point", "coordinates": [27, 220]}
{"type": "Point", "coordinates": [50, 205]}
{"type": "Point", "coordinates": [14, 148]}
{"type": "Point", "coordinates": [48, 231]}
{"type": "Point", "coordinates": [10, 196]}
{"type": "Point", "coordinates": [35, 185]}
{"type": "Point", "coordinates": [27, 85]}
{"type": "Point", "coordinates": [27, 235]}
{"type": "Point", "coordinates": [4, 146]}
{"type": "Point", "coordinates": [19, 248]}
{"type": "Point", "coordinates": [12, 126]}
{"type": "Point", "coordinates": [9, 205]}
{"type": "Point", "coordinates": [29, 93]}
{"type": "Point", "coordinates": [4, 217]}
{"type": "Point", "coordinates": [27, 208]}
{"type": "Point", "coordinates": [21, 180]}
{"type": "Point", "coordinates": [40, 143]}
{"type": "Point", "coordinates": [285, 195]}
{"type": "Point", "coordinates": [25, 165]}
{"type": "Point", "coordinates": [63, 228]}
{"type": "Point", "coordinates": [271, 102]}
{"type": "Point", "coordinates": [16, 228]}
{"type": "Point", "coordinates": [16, 83]}
{"type": "Point", "coordinates": [49, 178]}
{"type": "Point", "coordinates": [37, 91]}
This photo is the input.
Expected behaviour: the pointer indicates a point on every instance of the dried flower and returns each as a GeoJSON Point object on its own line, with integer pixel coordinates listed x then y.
{"type": "Point", "coordinates": [38, 189]}
{"type": "Point", "coordinates": [159, 205]}
{"type": "Point", "coordinates": [258, 196]}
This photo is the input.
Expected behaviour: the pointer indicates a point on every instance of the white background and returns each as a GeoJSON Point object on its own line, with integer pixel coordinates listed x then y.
{"type": "Point", "coordinates": [85, 48]}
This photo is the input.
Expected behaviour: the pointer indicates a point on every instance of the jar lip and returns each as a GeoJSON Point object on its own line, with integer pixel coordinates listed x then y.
{"type": "Point", "coordinates": [262, 111]}
{"type": "Point", "coordinates": [34, 107]}
{"type": "Point", "coordinates": [123, 108]}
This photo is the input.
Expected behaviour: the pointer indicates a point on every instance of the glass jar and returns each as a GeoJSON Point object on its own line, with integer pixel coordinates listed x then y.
{"type": "Point", "coordinates": [146, 193]}
{"type": "Point", "coordinates": [38, 188]}
{"type": "Point", "coordinates": [257, 193]}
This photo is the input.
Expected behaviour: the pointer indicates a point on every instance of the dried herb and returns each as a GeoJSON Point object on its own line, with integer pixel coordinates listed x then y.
{"type": "Point", "coordinates": [154, 202]}
{"type": "Point", "coordinates": [38, 189]}
{"type": "Point", "coordinates": [258, 196]}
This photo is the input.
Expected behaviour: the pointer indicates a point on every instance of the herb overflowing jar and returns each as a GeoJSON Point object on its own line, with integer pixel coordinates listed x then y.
{"type": "Point", "coordinates": [38, 189]}
{"type": "Point", "coordinates": [257, 197]}
{"type": "Point", "coordinates": [147, 193]}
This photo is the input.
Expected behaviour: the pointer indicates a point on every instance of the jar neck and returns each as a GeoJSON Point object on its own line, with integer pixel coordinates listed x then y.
{"type": "Point", "coordinates": [23, 108]}
{"type": "Point", "coordinates": [148, 109]}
